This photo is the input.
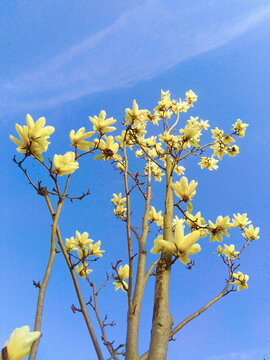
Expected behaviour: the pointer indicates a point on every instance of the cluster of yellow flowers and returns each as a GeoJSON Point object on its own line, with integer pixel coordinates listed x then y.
{"type": "Point", "coordinates": [85, 248]}
{"type": "Point", "coordinates": [119, 205]}
{"type": "Point", "coordinates": [34, 137]}
{"type": "Point", "coordinates": [178, 143]}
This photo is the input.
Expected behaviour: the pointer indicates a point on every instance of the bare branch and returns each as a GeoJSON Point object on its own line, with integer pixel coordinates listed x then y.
{"type": "Point", "coordinates": [76, 286]}
{"type": "Point", "coordinates": [43, 285]}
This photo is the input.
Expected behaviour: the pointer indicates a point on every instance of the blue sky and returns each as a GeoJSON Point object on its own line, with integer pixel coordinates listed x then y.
{"type": "Point", "coordinates": [67, 60]}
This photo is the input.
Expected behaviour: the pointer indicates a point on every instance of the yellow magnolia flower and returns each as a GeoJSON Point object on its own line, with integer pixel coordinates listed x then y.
{"type": "Point", "coordinates": [227, 140]}
{"type": "Point", "coordinates": [234, 150]}
{"type": "Point", "coordinates": [123, 273]}
{"type": "Point", "coordinates": [70, 244]}
{"type": "Point", "coordinates": [182, 246]}
{"type": "Point", "coordinates": [65, 164]}
{"type": "Point", "coordinates": [219, 228]}
{"type": "Point", "coordinates": [33, 136]}
{"type": "Point", "coordinates": [177, 221]}
{"type": "Point", "coordinates": [167, 138]}
{"type": "Point", "coordinates": [240, 128]}
{"type": "Point", "coordinates": [118, 200]}
{"type": "Point", "coordinates": [125, 136]}
{"type": "Point", "coordinates": [134, 115]}
{"type": "Point", "coordinates": [101, 125]}
{"type": "Point", "coordinates": [19, 344]}
{"type": "Point", "coordinates": [78, 139]}
{"type": "Point", "coordinates": [179, 170]}
{"type": "Point", "coordinates": [229, 251]}
{"type": "Point", "coordinates": [251, 233]}
{"type": "Point", "coordinates": [220, 149]}
{"type": "Point", "coordinates": [191, 131]}
{"type": "Point", "coordinates": [82, 240]}
{"type": "Point", "coordinates": [185, 190]}
{"type": "Point", "coordinates": [82, 271]}
{"type": "Point", "coordinates": [240, 280]}
{"type": "Point", "coordinates": [95, 249]}
{"type": "Point", "coordinates": [240, 220]}
{"type": "Point", "coordinates": [120, 210]}
{"type": "Point", "coordinates": [203, 125]}
{"type": "Point", "coordinates": [108, 148]}
{"type": "Point", "coordinates": [156, 217]}
{"type": "Point", "coordinates": [191, 97]}
{"type": "Point", "coordinates": [208, 163]}
{"type": "Point", "coordinates": [220, 250]}
{"type": "Point", "coordinates": [155, 171]}
{"type": "Point", "coordinates": [217, 133]}
{"type": "Point", "coordinates": [182, 106]}
{"type": "Point", "coordinates": [196, 222]}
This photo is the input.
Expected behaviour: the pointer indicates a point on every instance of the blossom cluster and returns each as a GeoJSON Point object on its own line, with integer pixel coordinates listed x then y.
{"type": "Point", "coordinates": [85, 248]}
{"type": "Point", "coordinates": [178, 139]}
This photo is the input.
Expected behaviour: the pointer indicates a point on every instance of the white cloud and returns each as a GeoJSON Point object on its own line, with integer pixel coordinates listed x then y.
{"type": "Point", "coordinates": [140, 44]}
{"type": "Point", "coordinates": [242, 355]}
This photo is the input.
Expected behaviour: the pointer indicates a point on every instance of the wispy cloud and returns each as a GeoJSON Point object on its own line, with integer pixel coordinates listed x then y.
{"type": "Point", "coordinates": [140, 44]}
{"type": "Point", "coordinates": [259, 354]}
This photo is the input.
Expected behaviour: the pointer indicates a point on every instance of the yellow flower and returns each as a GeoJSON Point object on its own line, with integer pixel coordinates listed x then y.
{"type": "Point", "coordinates": [240, 280]}
{"type": "Point", "coordinates": [155, 171]}
{"type": "Point", "coordinates": [125, 136]}
{"type": "Point", "coordinates": [182, 106]}
{"type": "Point", "coordinates": [229, 251]}
{"type": "Point", "coordinates": [184, 190]}
{"type": "Point", "coordinates": [78, 139]}
{"type": "Point", "coordinates": [240, 220]}
{"type": "Point", "coordinates": [82, 271]}
{"type": "Point", "coordinates": [251, 233]}
{"type": "Point", "coordinates": [179, 170]}
{"type": "Point", "coordinates": [220, 250]}
{"type": "Point", "coordinates": [82, 240]}
{"type": "Point", "coordinates": [156, 217]}
{"type": "Point", "coordinates": [108, 148]}
{"type": "Point", "coordinates": [101, 125]}
{"type": "Point", "coordinates": [65, 164]}
{"type": "Point", "coordinates": [196, 222]}
{"type": "Point", "coordinates": [123, 273]}
{"type": "Point", "coordinates": [208, 163]}
{"type": "Point", "coordinates": [182, 246]}
{"type": "Point", "coordinates": [95, 249]}
{"type": "Point", "coordinates": [134, 115]}
{"type": "Point", "coordinates": [191, 131]}
{"type": "Point", "coordinates": [118, 200]}
{"type": "Point", "coordinates": [217, 133]}
{"type": "Point", "coordinates": [19, 344]}
{"type": "Point", "coordinates": [240, 128]}
{"type": "Point", "coordinates": [33, 136]}
{"type": "Point", "coordinates": [177, 221]}
{"type": "Point", "coordinates": [234, 150]}
{"type": "Point", "coordinates": [219, 228]}
{"type": "Point", "coordinates": [158, 247]}
{"type": "Point", "coordinates": [120, 210]}
{"type": "Point", "coordinates": [191, 97]}
{"type": "Point", "coordinates": [219, 149]}
{"type": "Point", "coordinates": [203, 125]}
{"type": "Point", "coordinates": [70, 244]}
{"type": "Point", "coordinates": [227, 140]}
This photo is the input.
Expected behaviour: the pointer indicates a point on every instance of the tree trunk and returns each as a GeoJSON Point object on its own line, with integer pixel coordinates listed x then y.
{"type": "Point", "coordinates": [162, 320]}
